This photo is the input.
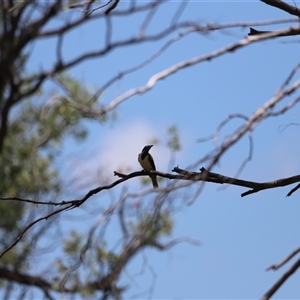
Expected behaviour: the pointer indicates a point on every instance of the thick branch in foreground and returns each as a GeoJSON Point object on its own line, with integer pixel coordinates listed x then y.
{"type": "Point", "coordinates": [208, 176]}
{"type": "Point", "coordinates": [26, 279]}
{"type": "Point", "coordinates": [39, 282]}
{"type": "Point", "coordinates": [204, 175]}
{"type": "Point", "coordinates": [221, 179]}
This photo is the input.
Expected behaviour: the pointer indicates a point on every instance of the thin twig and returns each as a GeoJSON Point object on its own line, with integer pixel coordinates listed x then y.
{"type": "Point", "coordinates": [281, 280]}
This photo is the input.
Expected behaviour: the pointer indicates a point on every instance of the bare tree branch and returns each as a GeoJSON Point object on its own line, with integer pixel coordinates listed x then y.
{"type": "Point", "coordinates": [221, 179]}
{"type": "Point", "coordinates": [281, 280]}
{"type": "Point", "coordinates": [22, 86]}
{"type": "Point", "coordinates": [84, 3]}
{"type": "Point", "coordinates": [293, 190]}
{"type": "Point", "coordinates": [283, 6]}
{"type": "Point", "coordinates": [185, 64]}
{"type": "Point", "coordinates": [174, 242]}
{"type": "Point", "coordinates": [112, 7]}
{"type": "Point", "coordinates": [284, 261]}
{"type": "Point", "coordinates": [192, 29]}
{"type": "Point", "coordinates": [31, 225]}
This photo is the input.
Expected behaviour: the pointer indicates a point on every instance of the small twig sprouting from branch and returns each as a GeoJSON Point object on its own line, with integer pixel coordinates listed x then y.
{"type": "Point", "coordinates": [111, 7]}
{"type": "Point", "coordinates": [284, 261]}
{"type": "Point", "coordinates": [281, 280]}
{"type": "Point", "coordinates": [293, 190]}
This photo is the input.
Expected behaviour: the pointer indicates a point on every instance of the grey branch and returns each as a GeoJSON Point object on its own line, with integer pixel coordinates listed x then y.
{"type": "Point", "coordinates": [284, 261]}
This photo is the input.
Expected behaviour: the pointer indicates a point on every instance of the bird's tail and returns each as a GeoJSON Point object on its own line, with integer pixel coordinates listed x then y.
{"type": "Point", "coordinates": [154, 181]}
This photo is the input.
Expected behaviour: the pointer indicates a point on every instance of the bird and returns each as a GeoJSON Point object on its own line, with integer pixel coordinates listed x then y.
{"type": "Point", "coordinates": [146, 161]}
{"type": "Point", "coordinates": [256, 32]}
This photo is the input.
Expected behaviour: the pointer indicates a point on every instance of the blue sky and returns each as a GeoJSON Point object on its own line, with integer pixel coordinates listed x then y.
{"type": "Point", "coordinates": [239, 237]}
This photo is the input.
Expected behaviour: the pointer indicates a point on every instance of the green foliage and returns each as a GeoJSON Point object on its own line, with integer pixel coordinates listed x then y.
{"type": "Point", "coordinates": [152, 227]}
{"type": "Point", "coordinates": [145, 180]}
{"type": "Point", "coordinates": [97, 262]}
{"type": "Point", "coordinates": [73, 244]}
{"type": "Point", "coordinates": [174, 141]}
{"type": "Point", "coordinates": [34, 137]}
{"type": "Point", "coordinates": [78, 97]}
{"type": "Point", "coordinates": [35, 134]}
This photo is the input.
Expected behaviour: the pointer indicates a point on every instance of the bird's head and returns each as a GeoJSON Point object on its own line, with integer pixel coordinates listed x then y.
{"type": "Point", "coordinates": [147, 148]}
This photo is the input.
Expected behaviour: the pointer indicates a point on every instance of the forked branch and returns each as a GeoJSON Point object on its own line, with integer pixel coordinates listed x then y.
{"type": "Point", "coordinates": [285, 276]}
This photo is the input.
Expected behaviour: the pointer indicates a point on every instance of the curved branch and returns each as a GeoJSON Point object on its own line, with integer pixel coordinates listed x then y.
{"type": "Point", "coordinates": [19, 237]}
{"type": "Point", "coordinates": [153, 80]}
{"type": "Point", "coordinates": [204, 175]}
{"type": "Point", "coordinates": [108, 48]}
{"type": "Point", "coordinates": [174, 242]}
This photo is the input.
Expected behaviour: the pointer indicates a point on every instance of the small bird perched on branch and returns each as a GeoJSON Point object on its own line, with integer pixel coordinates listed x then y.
{"type": "Point", "coordinates": [146, 161]}
{"type": "Point", "coordinates": [256, 32]}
